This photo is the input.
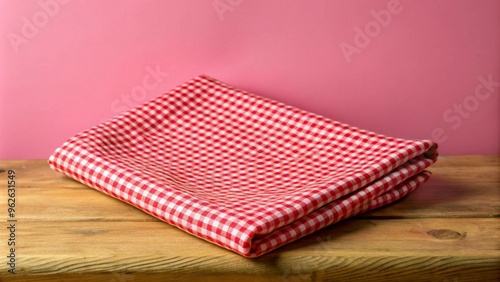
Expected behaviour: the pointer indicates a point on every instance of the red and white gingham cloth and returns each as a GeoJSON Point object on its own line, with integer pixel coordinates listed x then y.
{"type": "Point", "coordinates": [241, 171]}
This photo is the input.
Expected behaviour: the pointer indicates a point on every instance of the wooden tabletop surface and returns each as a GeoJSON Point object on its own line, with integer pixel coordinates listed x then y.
{"type": "Point", "coordinates": [447, 230]}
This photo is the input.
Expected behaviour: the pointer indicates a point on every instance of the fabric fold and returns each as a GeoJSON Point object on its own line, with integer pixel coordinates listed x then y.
{"type": "Point", "coordinates": [244, 172]}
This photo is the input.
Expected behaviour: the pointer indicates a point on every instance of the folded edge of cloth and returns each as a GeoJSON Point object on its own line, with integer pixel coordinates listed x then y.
{"type": "Point", "coordinates": [341, 170]}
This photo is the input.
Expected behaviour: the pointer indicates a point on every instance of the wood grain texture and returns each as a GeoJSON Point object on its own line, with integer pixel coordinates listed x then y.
{"type": "Point", "coordinates": [448, 230]}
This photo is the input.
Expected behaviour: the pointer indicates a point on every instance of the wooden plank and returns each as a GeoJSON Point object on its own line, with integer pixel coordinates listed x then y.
{"type": "Point", "coordinates": [70, 204]}
{"type": "Point", "coordinates": [57, 198]}
{"type": "Point", "coordinates": [146, 277]}
{"type": "Point", "coordinates": [440, 199]}
{"type": "Point", "coordinates": [36, 173]}
{"type": "Point", "coordinates": [468, 161]}
{"type": "Point", "coordinates": [469, 169]}
{"type": "Point", "coordinates": [355, 249]}
{"type": "Point", "coordinates": [446, 232]}
{"type": "Point", "coordinates": [465, 186]}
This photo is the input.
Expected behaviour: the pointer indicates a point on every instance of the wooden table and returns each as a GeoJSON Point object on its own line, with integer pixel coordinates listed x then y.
{"type": "Point", "coordinates": [445, 231]}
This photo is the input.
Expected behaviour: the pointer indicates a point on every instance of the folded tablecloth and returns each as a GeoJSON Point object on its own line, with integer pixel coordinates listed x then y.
{"type": "Point", "coordinates": [244, 172]}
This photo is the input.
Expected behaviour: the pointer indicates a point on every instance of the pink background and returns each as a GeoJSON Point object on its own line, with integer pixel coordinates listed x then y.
{"type": "Point", "coordinates": [67, 65]}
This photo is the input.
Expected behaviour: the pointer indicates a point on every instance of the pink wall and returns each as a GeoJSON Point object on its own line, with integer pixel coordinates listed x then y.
{"type": "Point", "coordinates": [411, 69]}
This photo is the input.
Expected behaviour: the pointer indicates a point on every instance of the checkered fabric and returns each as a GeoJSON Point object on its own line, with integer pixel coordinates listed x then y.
{"type": "Point", "coordinates": [244, 172]}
